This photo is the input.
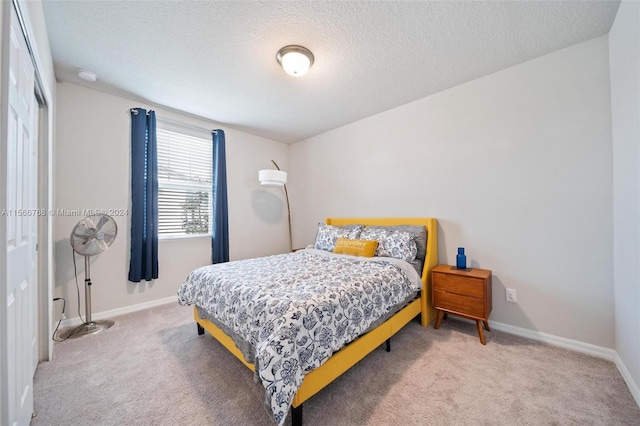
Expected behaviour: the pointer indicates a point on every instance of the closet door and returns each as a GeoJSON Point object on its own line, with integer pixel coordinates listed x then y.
{"type": "Point", "coordinates": [21, 179]}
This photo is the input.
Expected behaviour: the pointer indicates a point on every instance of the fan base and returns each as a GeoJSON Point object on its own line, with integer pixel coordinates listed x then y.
{"type": "Point", "coordinates": [86, 329]}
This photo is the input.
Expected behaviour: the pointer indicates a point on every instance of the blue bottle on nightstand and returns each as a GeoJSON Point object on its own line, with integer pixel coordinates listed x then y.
{"type": "Point", "coordinates": [461, 259]}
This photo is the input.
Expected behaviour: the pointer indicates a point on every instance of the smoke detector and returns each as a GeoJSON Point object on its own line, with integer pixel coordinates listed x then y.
{"type": "Point", "coordinates": [87, 75]}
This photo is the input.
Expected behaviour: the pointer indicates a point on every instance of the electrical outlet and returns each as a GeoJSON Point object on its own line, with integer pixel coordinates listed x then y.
{"type": "Point", "coordinates": [511, 295]}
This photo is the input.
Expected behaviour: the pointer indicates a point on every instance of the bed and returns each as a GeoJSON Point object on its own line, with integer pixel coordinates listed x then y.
{"type": "Point", "coordinates": [341, 323]}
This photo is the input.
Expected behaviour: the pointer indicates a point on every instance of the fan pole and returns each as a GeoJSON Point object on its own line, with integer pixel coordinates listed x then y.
{"type": "Point", "coordinates": [89, 326]}
{"type": "Point", "coordinates": [87, 290]}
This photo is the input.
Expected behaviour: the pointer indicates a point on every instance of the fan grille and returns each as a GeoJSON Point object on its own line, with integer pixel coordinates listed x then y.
{"type": "Point", "coordinates": [93, 234]}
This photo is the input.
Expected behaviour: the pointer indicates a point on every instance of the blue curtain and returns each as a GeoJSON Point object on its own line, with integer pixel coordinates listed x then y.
{"type": "Point", "coordinates": [220, 231]}
{"type": "Point", "coordinates": [144, 196]}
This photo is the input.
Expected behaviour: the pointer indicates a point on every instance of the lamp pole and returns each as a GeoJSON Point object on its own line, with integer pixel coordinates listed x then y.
{"type": "Point", "coordinates": [286, 193]}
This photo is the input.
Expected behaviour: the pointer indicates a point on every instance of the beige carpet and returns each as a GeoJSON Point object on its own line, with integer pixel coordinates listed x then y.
{"type": "Point", "coordinates": [152, 368]}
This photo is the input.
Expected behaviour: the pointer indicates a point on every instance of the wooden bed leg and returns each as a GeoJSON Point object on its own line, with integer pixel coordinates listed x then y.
{"type": "Point", "coordinates": [200, 329]}
{"type": "Point", "coordinates": [296, 415]}
{"type": "Point", "coordinates": [388, 344]}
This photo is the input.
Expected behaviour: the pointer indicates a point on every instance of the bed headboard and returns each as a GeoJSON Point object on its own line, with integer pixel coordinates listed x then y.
{"type": "Point", "coordinates": [431, 224]}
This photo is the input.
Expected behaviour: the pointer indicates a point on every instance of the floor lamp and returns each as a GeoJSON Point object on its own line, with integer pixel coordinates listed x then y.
{"type": "Point", "coordinates": [272, 177]}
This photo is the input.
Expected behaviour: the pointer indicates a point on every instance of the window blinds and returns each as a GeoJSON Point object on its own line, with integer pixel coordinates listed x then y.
{"type": "Point", "coordinates": [184, 184]}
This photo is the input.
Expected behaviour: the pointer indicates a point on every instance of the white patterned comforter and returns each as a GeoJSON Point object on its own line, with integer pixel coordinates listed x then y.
{"type": "Point", "coordinates": [297, 309]}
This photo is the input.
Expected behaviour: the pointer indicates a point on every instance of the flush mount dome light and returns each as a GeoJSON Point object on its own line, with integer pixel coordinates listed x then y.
{"type": "Point", "coordinates": [295, 60]}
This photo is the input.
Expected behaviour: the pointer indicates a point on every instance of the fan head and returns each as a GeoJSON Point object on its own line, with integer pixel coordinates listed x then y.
{"type": "Point", "coordinates": [93, 234]}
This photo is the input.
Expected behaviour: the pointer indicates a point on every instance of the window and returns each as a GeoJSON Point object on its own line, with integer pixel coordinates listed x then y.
{"type": "Point", "coordinates": [184, 184]}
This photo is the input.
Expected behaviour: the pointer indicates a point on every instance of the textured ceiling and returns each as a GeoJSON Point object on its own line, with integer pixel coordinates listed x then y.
{"type": "Point", "coordinates": [217, 59]}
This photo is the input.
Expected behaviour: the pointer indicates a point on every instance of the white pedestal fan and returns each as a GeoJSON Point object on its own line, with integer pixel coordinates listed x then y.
{"type": "Point", "coordinates": [91, 236]}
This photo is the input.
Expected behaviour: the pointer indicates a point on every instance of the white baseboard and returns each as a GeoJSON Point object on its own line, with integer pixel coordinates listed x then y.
{"type": "Point", "coordinates": [573, 345]}
{"type": "Point", "coordinates": [72, 322]}
{"type": "Point", "coordinates": [631, 384]}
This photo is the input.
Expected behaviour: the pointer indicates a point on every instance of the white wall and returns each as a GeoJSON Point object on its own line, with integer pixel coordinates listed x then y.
{"type": "Point", "coordinates": [517, 168]}
{"type": "Point", "coordinates": [93, 172]}
{"type": "Point", "coordinates": [624, 47]}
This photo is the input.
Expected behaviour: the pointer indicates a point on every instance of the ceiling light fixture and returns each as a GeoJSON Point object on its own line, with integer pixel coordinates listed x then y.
{"type": "Point", "coordinates": [295, 60]}
{"type": "Point", "coordinates": [87, 75]}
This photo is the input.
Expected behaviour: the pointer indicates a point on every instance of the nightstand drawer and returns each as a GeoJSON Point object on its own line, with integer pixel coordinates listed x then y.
{"type": "Point", "coordinates": [466, 305]}
{"type": "Point", "coordinates": [468, 286]}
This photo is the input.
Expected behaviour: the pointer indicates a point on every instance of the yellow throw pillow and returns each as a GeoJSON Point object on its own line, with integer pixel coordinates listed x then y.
{"type": "Point", "coordinates": [364, 248]}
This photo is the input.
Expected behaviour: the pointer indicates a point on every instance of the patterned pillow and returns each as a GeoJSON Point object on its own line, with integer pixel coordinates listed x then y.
{"type": "Point", "coordinates": [398, 244]}
{"type": "Point", "coordinates": [364, 248]}
{"type": "Point", "coordinates": [419, 235]}
{"type": "Point", "coordinates": [328, 235]}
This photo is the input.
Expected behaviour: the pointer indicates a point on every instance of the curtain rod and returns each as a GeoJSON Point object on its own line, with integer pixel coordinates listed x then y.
{"type": "Point", "coordinates": [181, 124]}
{"type": "Point", "coordinates": [135, 110]}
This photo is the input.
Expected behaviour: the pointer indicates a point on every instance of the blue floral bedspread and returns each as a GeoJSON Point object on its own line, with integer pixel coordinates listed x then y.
{"type": "Point", "coordinates": [297, 309]}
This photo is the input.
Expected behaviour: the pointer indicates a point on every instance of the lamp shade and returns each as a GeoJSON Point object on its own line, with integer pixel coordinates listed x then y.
{"type": "Point", "coordinates": [272, 177]}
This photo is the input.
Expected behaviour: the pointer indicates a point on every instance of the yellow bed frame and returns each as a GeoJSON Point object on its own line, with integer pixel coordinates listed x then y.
{"type": "Point", "coordinates": [349, 355]}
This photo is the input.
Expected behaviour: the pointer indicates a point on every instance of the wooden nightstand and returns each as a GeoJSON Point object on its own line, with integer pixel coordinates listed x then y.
{"type": "Point", "coordinates": [465, 292]}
